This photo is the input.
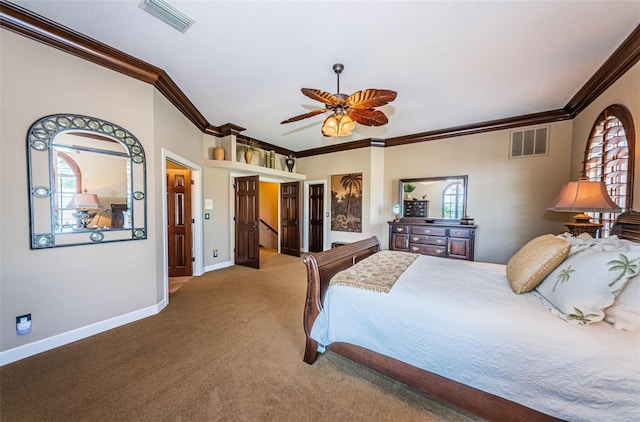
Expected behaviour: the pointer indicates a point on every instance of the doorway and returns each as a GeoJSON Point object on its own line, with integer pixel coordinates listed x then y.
{"type": "Point", "coordinates": [168, 160]}
{"type": "Point", "coordinates": [179, 220]}
{"type": "Point", "coordinates": [316, 216]}
{"type": "Point", "coordinates": [252, 231]}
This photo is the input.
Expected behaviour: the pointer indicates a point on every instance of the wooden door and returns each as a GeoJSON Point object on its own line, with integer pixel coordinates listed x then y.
{"type": "Point", "coordinates": [179, 222]}
{"type": "Point", "coordinates": [247, 249]}
{"type": "Point", "coordinates": [290, 218]}
{"type": "Point", "coordinates": [316, 218]}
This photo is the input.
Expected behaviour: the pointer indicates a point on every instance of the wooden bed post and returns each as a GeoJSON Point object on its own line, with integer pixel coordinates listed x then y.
{"type": "Point", "coordinates": [320, 268]}
{"type": "Point", "coordinates": [312, 308]}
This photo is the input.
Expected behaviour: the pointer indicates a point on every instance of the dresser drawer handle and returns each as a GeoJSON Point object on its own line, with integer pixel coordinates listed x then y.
{"type": "Point", "coordinates": [427, 231]}
{"type": "Point", "coordinates": [439, 241]}
{"type": "Point", "coordinates": [459, 233]}
{"type": "Point", "coordinates": [415, 248]}
{"type": "Point", "coordinates": [415, 238]}
{"type": "Point", "coordinates": [399, 229]}
{"type": "Point", "coordinates": [440, 251]}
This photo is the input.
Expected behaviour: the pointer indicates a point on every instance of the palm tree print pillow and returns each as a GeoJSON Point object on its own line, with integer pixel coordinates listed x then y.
{"type": "Point", "coordinates": [583, 285]}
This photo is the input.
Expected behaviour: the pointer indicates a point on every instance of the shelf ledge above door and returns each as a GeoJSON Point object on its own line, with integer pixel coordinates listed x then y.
{"type": "Point", "coordinates": [253, 169]}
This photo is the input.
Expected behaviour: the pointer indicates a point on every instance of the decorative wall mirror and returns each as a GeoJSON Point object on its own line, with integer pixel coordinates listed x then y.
{"type": "Point", "coordinates": [433, 198]}
{"type": "Point", "coordinates": [87, 182]}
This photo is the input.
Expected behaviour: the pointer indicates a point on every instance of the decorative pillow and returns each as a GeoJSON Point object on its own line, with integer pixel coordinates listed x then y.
{"type": "Point", "coordinates": [585, 241]}
{"type": "Point", "coordinates": [583, 285]}
{"type": "Point", "coordinates": [578, 243]}
{"type": "Point", "coordinates": [624, 314]}
{"type": "Point", "coordinates": [531, 264]}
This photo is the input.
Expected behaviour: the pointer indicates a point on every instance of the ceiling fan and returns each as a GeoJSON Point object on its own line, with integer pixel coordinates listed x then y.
{"type": "Point", "coordinates": [357, 107]}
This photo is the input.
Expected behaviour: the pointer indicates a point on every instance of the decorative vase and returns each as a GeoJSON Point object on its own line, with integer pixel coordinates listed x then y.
{"type": "Point", "coordinates": [218, 153]}
{"type": "Point", "coordinates": [290, 162]}
{"type": "Point", "coordinates": [248, 156]}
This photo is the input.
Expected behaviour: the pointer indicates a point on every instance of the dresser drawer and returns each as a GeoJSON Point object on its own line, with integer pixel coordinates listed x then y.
{"type": "Point", "coordinates": [466, 233]}
{"type": "Point", "coordinates": [400, 229]}
{"type": "Point", "coordinates": [428, 249]}
{"type": "Point", "coordinates": [427, 240]}
{"type": "Point", "coordinates": [426, 230]}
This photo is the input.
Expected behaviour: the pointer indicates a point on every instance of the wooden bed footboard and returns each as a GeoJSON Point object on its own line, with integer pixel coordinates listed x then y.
{"type": "Point", "coordinates": [320, 268]}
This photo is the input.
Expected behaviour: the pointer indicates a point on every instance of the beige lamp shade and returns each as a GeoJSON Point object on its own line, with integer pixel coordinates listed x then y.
{"type": "Point", "coordinates": [85, 200]}
{"type": "Point", "coordinates": [583, 196]}
{"type": "Point", "coordinates": [338, 125]}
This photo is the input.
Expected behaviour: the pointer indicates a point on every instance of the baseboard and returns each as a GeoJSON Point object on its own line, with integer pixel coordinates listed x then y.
{"type": "Point", "coordinates": [39, 346]}
{"type": "Point", "coordinates": [218, 266]}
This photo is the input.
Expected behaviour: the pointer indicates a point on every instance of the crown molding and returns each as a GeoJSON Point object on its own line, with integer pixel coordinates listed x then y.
{"type": "Point", "coordinates": [38, 28]}
{"type": "Point", "coordinates": [623, 59]}
{"type": "Point", "coordinates": [26, 23]}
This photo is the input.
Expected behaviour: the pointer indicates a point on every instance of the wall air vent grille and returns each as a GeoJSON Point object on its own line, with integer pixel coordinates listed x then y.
{"type": "Point", "coordinates": [529, 143]}
{"type": "Point", "coordinates": [168, 13]}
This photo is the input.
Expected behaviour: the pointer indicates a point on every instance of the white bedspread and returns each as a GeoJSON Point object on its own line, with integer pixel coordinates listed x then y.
{"type": "Point", "coordinates": [460, 320]}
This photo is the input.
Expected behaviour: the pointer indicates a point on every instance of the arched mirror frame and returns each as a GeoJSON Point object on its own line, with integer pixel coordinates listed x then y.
{"type": "Point", "coordinates": [432, 217]}
{"type": "Point", "coordinates": [41, 168]}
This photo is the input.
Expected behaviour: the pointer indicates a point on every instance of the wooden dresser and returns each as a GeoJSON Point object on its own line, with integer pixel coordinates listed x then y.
{"type": "Point", "coordinates": [448, 240]}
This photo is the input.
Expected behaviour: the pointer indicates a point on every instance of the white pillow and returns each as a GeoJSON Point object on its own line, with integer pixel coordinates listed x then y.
{"type": "Point", "coordinates": [583, 285]}
{"type": "Point", "coordinates": [585, 241]}
{"type": "Point", "coordinates": [624, 314]}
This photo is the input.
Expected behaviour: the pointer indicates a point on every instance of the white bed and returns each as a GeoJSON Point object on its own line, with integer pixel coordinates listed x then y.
{"type": "Point", "coordinates": [462, 321]}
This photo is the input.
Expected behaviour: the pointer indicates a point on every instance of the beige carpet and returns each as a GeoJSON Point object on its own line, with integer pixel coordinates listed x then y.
{"type": "Point", "coordinates": [227, 348]}
{"type": "Point", "coordinates": [175, 283]}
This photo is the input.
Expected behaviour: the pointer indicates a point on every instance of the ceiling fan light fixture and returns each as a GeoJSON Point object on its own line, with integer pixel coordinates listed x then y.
{"type": "Point", "coordinates": [338, 125]}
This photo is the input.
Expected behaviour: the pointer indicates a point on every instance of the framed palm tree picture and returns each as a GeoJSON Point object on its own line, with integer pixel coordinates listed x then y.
{"type": "Point", "coordinates": [346, 202]}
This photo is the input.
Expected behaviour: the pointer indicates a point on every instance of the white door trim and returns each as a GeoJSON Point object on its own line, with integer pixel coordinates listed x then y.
{"type": "Point", "coordinates": [196, 213]}
{"type": "Point", "coordinates": [305, 213]}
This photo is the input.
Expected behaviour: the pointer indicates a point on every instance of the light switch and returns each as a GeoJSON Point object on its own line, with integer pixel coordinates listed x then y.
{"type": "Point", "coordinates": [208, 204]}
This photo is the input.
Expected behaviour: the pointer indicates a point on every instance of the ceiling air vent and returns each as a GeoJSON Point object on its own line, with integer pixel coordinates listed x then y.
{"type": "Point", "coordinates": [168, 13]}
{"type": "Point", "coordinates": [529, 143]}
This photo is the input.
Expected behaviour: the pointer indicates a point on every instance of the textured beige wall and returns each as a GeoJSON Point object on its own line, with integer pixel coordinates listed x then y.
{"type": "Point", "coordinates": [322, 167]}
{"type": "Point", "coordinates": [507, 197]}
{"type": "Point", "coordinates": [71, 287]}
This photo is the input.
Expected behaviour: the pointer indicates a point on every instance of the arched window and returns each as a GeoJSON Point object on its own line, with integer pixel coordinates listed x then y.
{"type": "Point", "coordinates": [452, 201]}
{"type": "Point", "coordinates": [68, 182]}
{"type": "Point", "coordinates": [609, 158]}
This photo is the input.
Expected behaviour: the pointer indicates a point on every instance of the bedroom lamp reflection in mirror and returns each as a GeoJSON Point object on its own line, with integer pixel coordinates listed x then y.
{"type": "Point", "coordinates": [87, 182]}
{"type": "Point", "coordinates": [433, 199]}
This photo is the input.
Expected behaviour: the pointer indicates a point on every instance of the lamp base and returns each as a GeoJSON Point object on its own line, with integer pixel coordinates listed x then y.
{"type": "Point", "coordinates": [578, 228]}
{"type": "Point", "coordinates": [582, 218]}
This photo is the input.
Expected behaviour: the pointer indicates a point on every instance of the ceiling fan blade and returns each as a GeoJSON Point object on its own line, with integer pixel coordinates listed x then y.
{"type": "Point", "coordinates": [322, 96]}
{"type": "Point", "coordinates": [369, 98]}
{"type": "Point", "coordinates": [304, 116]}
{"type": "Point", "coordinates": [368, 117]}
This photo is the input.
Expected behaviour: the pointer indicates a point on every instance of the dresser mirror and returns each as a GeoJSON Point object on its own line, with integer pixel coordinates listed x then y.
{"type": "Point", "coordinates": [87, 182]}
{"type": "Point", "coordinates": [433, 199]}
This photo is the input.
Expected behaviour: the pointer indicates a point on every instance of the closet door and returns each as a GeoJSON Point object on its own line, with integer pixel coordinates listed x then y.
{"type": "Point", "coordinates": [290, 214]}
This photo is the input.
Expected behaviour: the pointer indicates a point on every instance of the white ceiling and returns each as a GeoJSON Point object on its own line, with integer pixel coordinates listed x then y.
{"type": "Point", "coordinates": [452, 62]}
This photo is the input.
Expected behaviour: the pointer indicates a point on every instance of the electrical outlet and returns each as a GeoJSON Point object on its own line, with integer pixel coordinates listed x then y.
{"type": "Point", "coordinates": [23, 324]}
